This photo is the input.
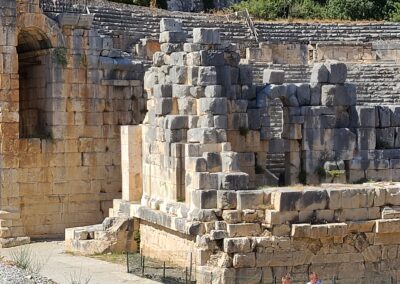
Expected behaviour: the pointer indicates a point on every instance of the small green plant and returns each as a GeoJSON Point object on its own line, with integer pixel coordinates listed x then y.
{"type": "Point", "coordinates": [136, 237]}
{"type": "Point", "coordinates": [335, 173]}
{"type": "Point", "coordinates": [59, 56]}
{"type": "Point", "coordinates": [381, 145]}
{"type": "Point", "coordinates": [24, 258]}
{"type": "Point", "coordinates": [77, 278]}
{"type": "Point", "coordinates": [243, 130]}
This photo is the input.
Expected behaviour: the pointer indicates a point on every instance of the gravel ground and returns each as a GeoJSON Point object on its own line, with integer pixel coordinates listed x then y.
{"type": "Point", "coordinates": [13, 275]}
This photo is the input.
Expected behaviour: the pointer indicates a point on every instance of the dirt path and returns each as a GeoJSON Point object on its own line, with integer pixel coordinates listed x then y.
{"type": "Point", "coordinates": [64, 268]}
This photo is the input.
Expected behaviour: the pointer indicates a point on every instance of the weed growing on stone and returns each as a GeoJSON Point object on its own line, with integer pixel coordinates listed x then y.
{"type": "Point", "coordinates": [26, 259]}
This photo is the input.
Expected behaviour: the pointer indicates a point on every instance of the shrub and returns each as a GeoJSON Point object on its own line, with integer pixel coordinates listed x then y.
{"type": "Point", "coordinates": [324, 9]}
{"type": "Point", "coordinates": [24, 258]}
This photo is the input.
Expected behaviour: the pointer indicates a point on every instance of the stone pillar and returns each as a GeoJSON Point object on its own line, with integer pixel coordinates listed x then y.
{"type": "Point", "coordinates": [131, 162]}
{"type": "Point", "coordinates": [10, 212]}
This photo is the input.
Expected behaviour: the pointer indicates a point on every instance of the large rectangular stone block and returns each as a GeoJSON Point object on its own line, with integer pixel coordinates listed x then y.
{"type": "Point", "coordinates": [338, 95]}
{"type": "Point", "coordinates": [250, 199]}
{"type": "Point", "coordinates": [273, 76]}
{"type": "Point", "coordinates": [243, 230]}
{"type": "Point", "coordinates": [233, 181]}
{"type": "Point", "coordinates": [237, 245]}
{"type": "Point", "coordinates": [172, 37]}
{"type": "Point", "coordinates": [207, 75]}
{"type": "Point", "coordinates": [170, 25]}
{"type": "Point", "coordinates": [215, 106]}
{"type": "Point", "coordinates": [206, 36]}
{"type": "Point", "coordinates": [204, 199]}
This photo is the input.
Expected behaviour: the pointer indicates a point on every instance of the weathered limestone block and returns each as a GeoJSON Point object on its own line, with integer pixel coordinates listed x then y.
{"type": "Point", "coordinates": [319, 73]}
{"type": "Point", "coordinates": [372, 254]}
{"type": "Point", "coordinates": [212, 58]}
{"type": "Point", "coordinates": [248, 275]}
{"type": "Point", "coordinates": [361, 226]}
{"type": "Point", "coordinates": [244, 260]}
{"type": "Point", "coordinates": [206, 36]}
{"type": "Point", "coordinates": [301, 230]}
{"type": "Point", "coordinates": [250, 199]}
{"type": "Point", "coordinates": [214, 106]}
{"type": "Point", "coordinates": [195, 164]}
{"type": "Point", "coordinates": [273, 76]}
{"type": "Point", "coordinates": [237, 245]}
{"type": "Point", "coordinates": [384, 116]}
{"type": "Point", "coordinates": [245, 75]}
{"type": "Point", "coordinates": [204, 199]}
{"type": "Point", "coordinates": [170, 25]}
{"type": "Point", "coordinates": [385, 137]}
{"type": "Point", "coordinates": [172, 37]}
{"type": "Point", "coordinates": [391, 212]}
{"type": "Point", "coordinates": [207, 76]}
{"type": "Point", "coordinates": [338, 95]}
{"type": "Point", "coordinates": [243, 230]}
{"type": "Point", "coordinates": [162, 91]}
{"type": "Point", "coordinates": [230, 162]}
{"type": "Point", "coordinates": [303, 94]}
{"type": "Point", "coordinates": [366, 138]}
{"type": "Point", "coordinates": [275, 217]}
{"type": "Point", "coordinates": [218, 234]}
{"type": "Point", "coordinates": [318, 231]}
{"type": "Point", "coordinates": [232, 216]}
{"type": "Point", "coordinates": [178, 74]}
{"type": "Point", "coordinates": [226, 199]}
{"type": "Point", "coordinates": [282, 230]}
{"type": "Point", "coordinates": [337, 72]}
{"type": "Point", "coordinates": [202, 135]}
{"type": "Point", "coordinates": [393, 196]}
{"type": "Point", "coordinates": [337, 229]}
{"type": "Point", "coordinates": [233, 181]}
{"type": "Point", "coordinates": [385, 226]}
{"type": "Point", "coordinates": [163, 106]}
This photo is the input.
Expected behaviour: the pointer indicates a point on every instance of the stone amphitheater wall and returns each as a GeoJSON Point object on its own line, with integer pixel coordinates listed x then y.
{"type": "Point", "coordinates": [64, 93]}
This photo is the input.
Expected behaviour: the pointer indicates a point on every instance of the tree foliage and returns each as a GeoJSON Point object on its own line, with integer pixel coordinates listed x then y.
{"type": "Point", "coordinates": [323, 9]}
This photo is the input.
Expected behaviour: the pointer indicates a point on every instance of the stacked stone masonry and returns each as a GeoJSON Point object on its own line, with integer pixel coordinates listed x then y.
{"type": "Point", "coordinates": [64, 94]}
{"type": "Point", "coordinates": [204, 143]}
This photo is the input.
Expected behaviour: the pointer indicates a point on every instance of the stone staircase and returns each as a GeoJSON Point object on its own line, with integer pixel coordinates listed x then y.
{"type": "Point", "coordinates": [130, 23]}
{"type": "Point", "coordinates": [376, 83]}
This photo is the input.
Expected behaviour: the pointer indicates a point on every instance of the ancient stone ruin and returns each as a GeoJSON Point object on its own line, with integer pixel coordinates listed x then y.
{"type": "Point", "coordinates": [256, 158]}
{"type": "Point", "coordinates": [203, 182]}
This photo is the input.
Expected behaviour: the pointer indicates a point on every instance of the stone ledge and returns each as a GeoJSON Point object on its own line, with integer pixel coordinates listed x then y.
{"type": "Point", "coordinates": [13, 242]}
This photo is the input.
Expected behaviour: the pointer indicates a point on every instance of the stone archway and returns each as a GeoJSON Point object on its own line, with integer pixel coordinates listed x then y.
{"type": "Point", "coordinates": [38, 38]}
{"type": "Point", "coordinates": [33, 59]}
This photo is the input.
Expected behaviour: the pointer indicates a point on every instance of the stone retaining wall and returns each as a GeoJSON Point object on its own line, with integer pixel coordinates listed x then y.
{"type": "Point", "coordinates": [61, 110]}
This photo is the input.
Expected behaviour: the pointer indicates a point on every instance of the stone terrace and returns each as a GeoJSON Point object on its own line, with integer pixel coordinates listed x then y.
{"type": "Point", "coordinates": [127, 21]}
{"type": "Point", "coordinates": [376, 83]}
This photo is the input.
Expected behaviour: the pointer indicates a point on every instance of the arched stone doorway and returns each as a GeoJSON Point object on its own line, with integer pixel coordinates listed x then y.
{"type": "Point", "coordinates": [33, 59]}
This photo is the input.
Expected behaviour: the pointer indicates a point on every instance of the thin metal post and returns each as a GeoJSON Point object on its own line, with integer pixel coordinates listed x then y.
{"type": "Point", "coordinates": [190, 268]}
{"type": "Point", "coordinates": [211, 278]}
{"type": "Point", "coordinates": [186, 275]}
{"type": "Point", "coordinates": [127, 262]}
{"type": "Point", "coordinates": [143, 267]}
{"type": "Point", "coordinates": [163, 274]}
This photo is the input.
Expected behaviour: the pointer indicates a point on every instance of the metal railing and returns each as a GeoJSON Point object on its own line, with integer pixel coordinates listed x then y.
{"type": "Point", "coordinates": [64, 6]}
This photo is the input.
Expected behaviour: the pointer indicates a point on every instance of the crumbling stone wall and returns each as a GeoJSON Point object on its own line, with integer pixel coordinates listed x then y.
{"type": "Point", "coordinates": [65, 170]}
{"type": "Point", "coordinates": [204, 141]}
